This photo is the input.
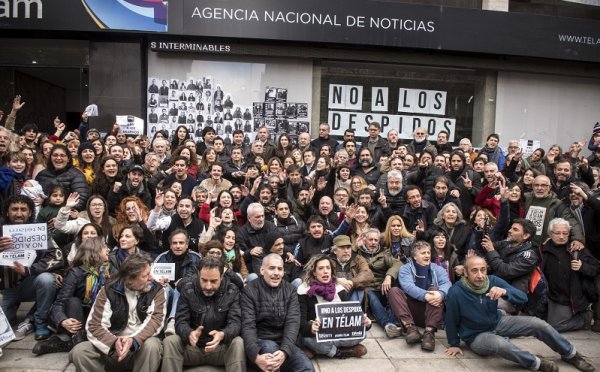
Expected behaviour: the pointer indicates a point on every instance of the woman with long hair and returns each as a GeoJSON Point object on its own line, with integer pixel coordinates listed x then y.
{"type": "Point", "coordinates": [42, 157]}
{"type": "Point", "coordinates": [525, 182]}
{"type": "Point", "coordinates": [397, 238]}
{"type": "Point", "coordinates": [209, 157]}
{"type": "Point", "coordinates": [181, 135]}
{"type": "Point", "coordinates": [450, 219]}
{"type": "Point", "coordinates": [96, 211]}
{"type": "Point", "coordinates": [87, 161]}
{"type": "Point", "coordinates": [88, 273]}
{"type": "Point", "coordinates": [29, 161]}
{"type": "Point", "coordinates": [298, 158]}
{"type": "Point", "coordinates": [553, 156]}
{"type": "Point", "coordinates": [359, 225]}
{"type": "Point", "coordinates": [442, 252]}
{"type": "Point", "coordinates": [234, 258]}
{"type": "Point", "coordinates": [129, 239]}
{"type": "Point", "coordinates": [284, 146]}
{"type": "Point", "coordinates": [319, 286]}
{"type": "Point", "coordinates": [108, 173]}
{"type": "Point", "coordinates": [357, 184]}
{"type": "Point", "coordinates": [133, 212]}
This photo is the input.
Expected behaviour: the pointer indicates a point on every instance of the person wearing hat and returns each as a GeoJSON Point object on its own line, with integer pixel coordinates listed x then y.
{"type": "Point", "coordinates": [92, 135]}
{"type": "Point", "coordinates": [274, 243]}
{"type": "Point", "coordinates": [86, 157]}
{"type": "Point", "coordinates": [594, 142]}
{"type": "Point", "coordinates": [134, 186]}
{"type": "Point", "coordinates": [352, 270]}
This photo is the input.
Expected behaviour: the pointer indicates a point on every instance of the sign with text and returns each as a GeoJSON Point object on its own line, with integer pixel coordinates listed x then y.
{"type": "Point", "coordinates": [24, 257]}
{"type": "Point", "coordinates": [6, 332]}
{"type": "Point", "coordinates": [340, 321]}
{"type": "Point", "coordinates": [413, 101]}
{"type": "Point", "coordinates": [163, 271]}
{"type": "Point", "coordinates": [129, 124]}
{"type": "Point", "coordinates": [27, 236]}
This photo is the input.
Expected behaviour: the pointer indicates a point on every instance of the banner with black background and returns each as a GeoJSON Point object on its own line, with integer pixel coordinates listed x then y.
{"type": "Point", "coordinates": [358, 22]}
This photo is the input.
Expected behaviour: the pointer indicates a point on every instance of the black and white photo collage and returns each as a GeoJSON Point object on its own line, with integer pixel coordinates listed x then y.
{"type": "Point", "coordinates": [195, 103]}
{"type": "Point", "coordinates": [279, 115]}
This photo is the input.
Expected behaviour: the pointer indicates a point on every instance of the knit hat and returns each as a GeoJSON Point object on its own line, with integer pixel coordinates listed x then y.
{"type": "Point", "coordinates": [596, 128]}
{"type": "Point", "coordinates": [83, 146]}
{"type": "Point", "coordinates": [270, 239]}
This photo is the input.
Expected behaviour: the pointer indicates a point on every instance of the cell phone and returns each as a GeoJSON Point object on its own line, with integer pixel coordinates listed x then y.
{"type": "Point", "coordinates": [575, 255]}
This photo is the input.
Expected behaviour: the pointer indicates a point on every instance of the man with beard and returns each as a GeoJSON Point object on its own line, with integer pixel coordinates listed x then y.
{"type": "Point", "coordinates": [476, 296]}
{"type": "Point", "coordinates": [20, 283]}
{"type": "Point", "coordinates": [134, 186]}
{"type": "Point", "coordinates": [570, 278]}
{"type": "Point", "coordinates": [351, 270]}
{"type": "Point", "coordinates": [366, 167]}
{"type": "Point", "coordinates": [391, 197]}
{"type": "Point", "coordinates": [385, 272]}
{"type": "Point", "coordinates": [420, 142]}
{"type": "Point", "coordinates": [442, 144]}
{"type": "Point", "coordinates": [395, 163]}
{"type": "Point", "coordinates": [425, 174]}
{"type": "Point", "coordinates": [178, 172]}
{"type": "Point", "coordinates": [464, 180]}
{"type": "Point", "coordinates": [564, 176]}
{"type": "Point", "coordinates": [290, 227]}
{"type": "Point", "coordinates": [186, 219]}
{"type": "Point", "coordinates": [375, 143]}
{"type": "Point", "coordinates": [350, 147]}
{"type": "Point", "coordinates": [268, 145]}
{"type": "Point", "coordinates": [513, 259]}
{"type": "Point", "coordinates": [418, 214]}
{"type": "Point", "coordinates": [210, 337]}
{"type": "Point", "coordinates": [251, 236]}
{"type": "Point", "coordinates": [374, 210]}
{"type": "Point", "coordinates": [491, 187]}
{"type": "Point", "coordinates": [125, 318]}
{"type": "Point", "coordinates": [270, 336]}
{"type": "Point", "coordinates": [318, 240]}
{"type": "Point", "coordinates": [540, 207]}
{"type": "Point", "coordinates": [393, 142]}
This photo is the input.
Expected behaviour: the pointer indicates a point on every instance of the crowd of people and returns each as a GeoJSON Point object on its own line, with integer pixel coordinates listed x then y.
{"type": "Point", "coordinates": [485, 244]}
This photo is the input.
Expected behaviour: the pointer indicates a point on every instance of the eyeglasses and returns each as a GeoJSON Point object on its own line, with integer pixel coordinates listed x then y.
{"type": "Point", "coordinates": [96, 205]}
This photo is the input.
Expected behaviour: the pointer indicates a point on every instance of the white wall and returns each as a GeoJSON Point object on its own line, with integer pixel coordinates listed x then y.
{"type": "Point", "coordinates": [552, 109]}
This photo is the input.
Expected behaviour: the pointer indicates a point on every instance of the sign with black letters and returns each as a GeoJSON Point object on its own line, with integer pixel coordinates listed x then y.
{"type": "Point", "coordinates": [340, 321]}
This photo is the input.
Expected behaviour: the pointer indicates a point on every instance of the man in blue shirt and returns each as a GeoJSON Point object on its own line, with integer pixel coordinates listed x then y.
{"type": "Point", "coordinates": [472, 315]}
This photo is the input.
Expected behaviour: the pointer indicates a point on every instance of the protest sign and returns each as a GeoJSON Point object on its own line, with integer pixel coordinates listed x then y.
{"type": "Point", "coordinates": [27, 236]}
{"type": "Point", "coordinates": [24, 257]}
{"type": "Point", "coordinates": [6, 332]}
{"type": "Point", "coordinates": [340, 321]}
{"type": "Point", "coordinates": [129, 124]}
{"type": "Point", "coordinates": [163, 271]}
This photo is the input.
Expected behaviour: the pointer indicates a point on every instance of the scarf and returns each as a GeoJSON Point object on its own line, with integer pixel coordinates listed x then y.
{"type": "Point", "coordinates": [479, 291]}
{"type": "Point", "coordinates": [230, 255]}
{"type": "Point", "coordinates": [96, 279]}
{"type": "Point", "coordinates": [6, 177]}
{"type": "Point", "coordinates": [327, 291]}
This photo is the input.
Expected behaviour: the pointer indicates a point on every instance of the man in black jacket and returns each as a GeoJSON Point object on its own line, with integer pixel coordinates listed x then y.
{"type": "Point", "coordinates": [20, 283]}
{"type": "Point", "coordinates": [208, 322]}
{"type": "Point", "coordinates": [271, 321]}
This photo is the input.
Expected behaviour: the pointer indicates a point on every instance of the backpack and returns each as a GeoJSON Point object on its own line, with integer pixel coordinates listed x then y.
{"type": "Point", "coordinates": [537, 294]}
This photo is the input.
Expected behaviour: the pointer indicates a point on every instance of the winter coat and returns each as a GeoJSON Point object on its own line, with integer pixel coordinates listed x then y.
{"type": "Point", "coordinates": [381, 264]}
{"type": "Point", "coordinates": [407, 276]}
{"type": "Point", "coordinates": [70, 178]}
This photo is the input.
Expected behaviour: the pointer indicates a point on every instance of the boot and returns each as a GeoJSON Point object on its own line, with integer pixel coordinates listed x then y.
{"type": "Point", "coordinates": [428, 341]}
{"type": "Point", "coordinates": [578, 362]}
{"type": "Point", "coordinates": [413, 336]}
{"type": "Point", "coordinates": [78, 337]}
{"type": "Point", "coordinates": [351, 352]}
{"type": "Point", "coordinates": [52, 345]}
{"type": "Point", "coordinates": [547, 366]}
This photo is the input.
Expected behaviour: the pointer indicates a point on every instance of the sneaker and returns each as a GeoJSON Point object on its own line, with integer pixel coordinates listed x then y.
{"type": "Point", "coordinates": [413, 336]}
{"type": "Point", "coordinates": [578, 362]}
{"type": "Point", "coordinates": [351, 352]}
{"type": "Point", "coordinates": [393, 331]}
{"type": "Point", "coordinates": [547, 366]}
{"type": "Point", "coordinates": [23, 329]}
{"type": "Point", "coordinates": [428, 341]}
{"type": "Point", "coordinates": [170, 330]}
{"type": "Point", "coordinates": [41, 332]}
{"type": "Point", "coordinates": [52, 345]}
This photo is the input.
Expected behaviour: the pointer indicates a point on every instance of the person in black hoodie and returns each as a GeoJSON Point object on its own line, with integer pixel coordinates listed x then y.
{"type": "Point", "coordinates": [570, 276]}
{"type": "Point", "coordinates": [318, 240]}
{"type": "Point", "coordinates": [289, 226]}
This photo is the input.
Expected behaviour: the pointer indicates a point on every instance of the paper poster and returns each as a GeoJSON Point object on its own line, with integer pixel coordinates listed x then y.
{"type": "Point", "coordinates": [6, 332]}
{"type": "Point", "coordinates": [27, 236]}
{"type": "Point", "coordinates": [24, 257]}
{"type": "Point", "coordinates": [163, 271]}
{"type": "Point", "coordinates": [340, 321]}
{"type": "Point", "coordinates": [529, 146]}
{"type": "Point", "coordinates": [129, 124]}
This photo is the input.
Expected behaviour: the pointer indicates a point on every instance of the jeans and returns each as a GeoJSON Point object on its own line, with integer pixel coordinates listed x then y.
{"type": "Point", "coordinates": [296, 362]}
{"type": "Point", "coordinates": [40, 288]}
{"type": "Point", "coordinates": [378, 306]}
{"type": "Point", "coordinates": [327, 348]}
{"type": "Point", "coordinates": [172, 295]}
{"type": "Point", "coordinates": [177, 354]}
{"type": "Point", "coordinates": [498, 343]}
{"type": "Point", "coordinates": [562, 318]}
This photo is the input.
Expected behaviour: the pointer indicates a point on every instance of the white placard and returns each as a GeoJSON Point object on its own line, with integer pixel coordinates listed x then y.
{"type": "Point", "coordinates": [163, 271]}
{"type": "Point", "coordinates": [92, 110]}
{"type": "Point", "coordinates": [6, 332]}
{"type": "Point", "coordinates": [129, 124]}
{"type": "Point", "coordinates": [529, 146]}
{"type": "Point", "coordinates": [379, 99]}
{"type": "Point", "coordinates": [27, 236]}
{"type": "Point", "coordinates": [24, 257]}
{"type": "Point", "coordinates": [346, 97]}
{"type": "Point", "coordinates": [422, 101]}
